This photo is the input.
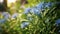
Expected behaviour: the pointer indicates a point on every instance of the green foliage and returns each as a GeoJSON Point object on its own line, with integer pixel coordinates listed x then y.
{"type": "Point", "coordinates": [38, 24]}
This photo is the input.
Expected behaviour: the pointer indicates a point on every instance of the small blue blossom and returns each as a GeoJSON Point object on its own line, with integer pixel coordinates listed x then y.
{"type": "Point", "coordinates": [58, 22]}
{"type": "Point", "coordinates": [24, 24]}
{"type": "Point", "coordinates": [35, 11]}
{"type": "Point", "coordinates": [27, 10]}
{"type": "Point", "coordinates": [14, 15]}
{"type": "Point", "coordinates": [49, 5]}
{"type": "Point", "coordinates": [2, 21]}
{"type": "Point", "coordinates": [6, 15]}
{"type": "Point", "coordinates": [40, 6]}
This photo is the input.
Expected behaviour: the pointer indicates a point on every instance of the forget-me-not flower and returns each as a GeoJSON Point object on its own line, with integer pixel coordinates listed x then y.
{"type": "Point", "coordinates": [35, 11]}
{"type": "Point", "coordinates": [6, 15]}
{"type": "Point", "coordinates": [40, 6]}
{"type": "Point", "coordinates": [49, 5]}
{"type": "Point", "coordinates": [57, 22]}
{"type": "Point", "coordinates": [24, 24]}
{"type": "Point", "coordinates": [14, 15]}
{"type": "Point", "coordinates": [27, 10]}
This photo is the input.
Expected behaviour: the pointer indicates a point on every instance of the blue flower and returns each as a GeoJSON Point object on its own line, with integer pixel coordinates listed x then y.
{"type": "Point", "coordinates": [49, 5]}
{"type": "Point", "coordinates": [6, 15]}
{"type": "Point", "coordinates": [27, 10]}
{"type": "Point", "coordinates": [40, 6]}
{"type": "Point", "coordinates": [24, 24]}
{"type": "Point", "coordinates": [58, 22]}
{"type": "Point", "coordinates": [14, 15]}
{"type": "Point", "coordinates": [2, 21]}
{"type": "Point", "coordinates": [35, 11]}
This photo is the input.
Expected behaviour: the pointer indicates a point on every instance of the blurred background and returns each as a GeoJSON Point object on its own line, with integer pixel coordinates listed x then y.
{"type": "Point", "coordinates": [29, 16]}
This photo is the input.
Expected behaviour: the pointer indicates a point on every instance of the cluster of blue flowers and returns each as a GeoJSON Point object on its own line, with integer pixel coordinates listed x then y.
{"type": "Point", "coordinates": [6, 16]}
{"type": "Point", "coordinates": [38, 8]}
